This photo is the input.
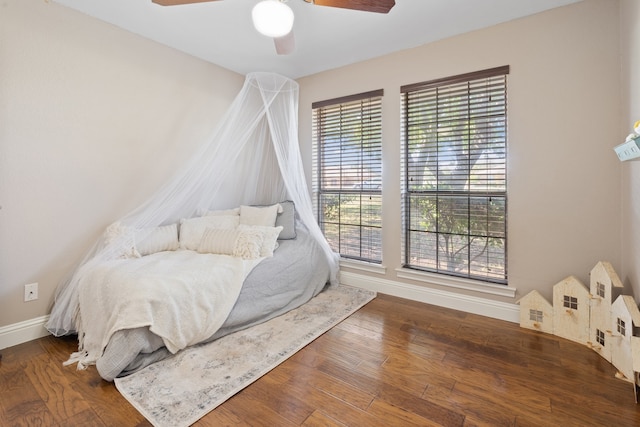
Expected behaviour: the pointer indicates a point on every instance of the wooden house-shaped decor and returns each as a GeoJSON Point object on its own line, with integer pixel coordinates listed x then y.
{"type": "Point", "coordinates": [571, 310]}
{"type": "Point", "coordinates": [625, 321]}
{"type": "Point", "coordinates": [599, 317]}
{"type": "Point", "coordinates": [536, 312]}
{"type": "Point", "coordinates": [605, 287]}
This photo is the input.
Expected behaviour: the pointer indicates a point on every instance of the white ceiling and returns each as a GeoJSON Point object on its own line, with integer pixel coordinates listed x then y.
{"type": "Point", "coordinates": [221, 32]}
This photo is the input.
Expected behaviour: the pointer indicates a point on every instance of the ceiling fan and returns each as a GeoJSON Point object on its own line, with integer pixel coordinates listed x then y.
{"type": "Point", "coordinates": [274, 18]}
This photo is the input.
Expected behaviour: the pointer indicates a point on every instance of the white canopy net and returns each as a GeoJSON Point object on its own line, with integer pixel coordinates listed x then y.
{"type": "Point", "coordinates": [252, 157]}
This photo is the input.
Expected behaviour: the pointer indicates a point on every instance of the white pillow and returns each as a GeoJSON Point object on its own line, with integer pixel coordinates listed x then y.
{"type": "Point", "coordinates": [248, 244]}
{"type": "Point", "coordinates": [157, 239]}
{"type": "Point", "coordinates": [269, 237]}
{"type": "Point", "coordinates": [192, 230]}
{"type": "Point", "coordinates": [224, 212]}
{"type": "Point", "coordinates": [242, 243]}
{"type": "Point", "coordinates": [218, 241]}
{"type": "Point", "coordinates": [120, 240]}
{"type": "Point", "coordinates": [259, 215]}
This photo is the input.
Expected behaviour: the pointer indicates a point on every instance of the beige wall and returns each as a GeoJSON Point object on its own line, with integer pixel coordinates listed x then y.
{"type": "Point", "coordinates": [564, 193]}
{"type": "Point", "coordinates": [92, 120]}
{"type": "Point", "coordinates": [630, 56]}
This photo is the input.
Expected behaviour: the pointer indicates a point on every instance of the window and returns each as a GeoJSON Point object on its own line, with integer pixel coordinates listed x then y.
{"type": "Point", "coordinates": [600, 289]}
{"type": "Point", "coordinates": [535, 315]}
{"type": "Point", "coordinates": [600, 337]}
{"type": "Point", "coordinates": [570, 302]}
{"type": "Point", "coordinates": [454, 175]}
{"type": "Point", "coordinates": [621, 327]}
{"type": "Point", "coordinates": [347, 139]}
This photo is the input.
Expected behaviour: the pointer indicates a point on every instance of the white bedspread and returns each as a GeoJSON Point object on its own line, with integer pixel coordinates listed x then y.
{"type": "Point", "coordinates": [182, 296]}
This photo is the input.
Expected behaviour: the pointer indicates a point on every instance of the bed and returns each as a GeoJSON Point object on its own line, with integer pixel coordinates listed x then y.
{"type": "Point", "coordinates": [144, 285]}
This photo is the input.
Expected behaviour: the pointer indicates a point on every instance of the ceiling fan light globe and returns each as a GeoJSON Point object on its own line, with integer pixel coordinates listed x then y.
{"type": "Point", "coordinates": [272, 18]}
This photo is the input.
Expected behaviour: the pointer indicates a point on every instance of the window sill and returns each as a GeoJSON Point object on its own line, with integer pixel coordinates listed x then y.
{"type": "Point", "coordinates": [456, 282]}
{"type": "Point", "coordinates": [369, 267]}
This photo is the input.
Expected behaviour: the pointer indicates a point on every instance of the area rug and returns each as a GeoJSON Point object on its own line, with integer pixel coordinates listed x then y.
{"type": "Point", "coordinates": [183, 388]}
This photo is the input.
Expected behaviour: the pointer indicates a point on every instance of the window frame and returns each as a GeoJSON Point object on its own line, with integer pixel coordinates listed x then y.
{"type": "Point", "coordinates": [501, 278]}
{"type": "Point", "coordinates": [367, 250]}
{"type": "Point", "coordinates": [600, 289]}
{"type": "Point", "coordinates": [536, 315]}
{"type": "Point", "coordinates": [570, 302]}
{"type": "Point", "coordinates": [621, 327]}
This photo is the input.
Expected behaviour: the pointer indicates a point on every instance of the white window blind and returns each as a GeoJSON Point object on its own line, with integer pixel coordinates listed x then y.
{"type": "Point", "coordinates": [347, 177]}
{"type": "Point", "coordinates": [454, 175]}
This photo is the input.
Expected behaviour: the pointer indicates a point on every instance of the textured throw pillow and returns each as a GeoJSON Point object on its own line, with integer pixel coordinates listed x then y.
{"type": "Point", "coordinates": [119, 239]}
{"type": "Point", "coordinates": [218, 241]}
{"type": "Point", "coordinates": [244, 242]}
{"type": "Point", "coordinates": [157, 239]}
{"type": "Point", "coordinates": [248, 244]}
{"type": "Point", "coordinates": [259, 215]}
{"type": "Point", "coordinates": [269, 237]}
{"type": "Point", "coordinates": [192, 230]}
{"type": "Point", "coordinates": [287, 220]}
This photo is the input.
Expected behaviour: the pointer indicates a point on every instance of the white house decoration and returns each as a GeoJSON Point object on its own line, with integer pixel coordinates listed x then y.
{"type": "Point", "coordinates": [599, 317]}
{"type": "Point", "coordinates": [536, 312]}
{"type": "Point", "coordinates": [605, 287]}
{"type": "Point", "coordinates": [625, 318]}
{"type": "Point", "coordinates": [571, 310]}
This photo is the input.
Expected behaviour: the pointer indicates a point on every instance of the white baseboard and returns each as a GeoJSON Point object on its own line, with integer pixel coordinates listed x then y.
{"type": "Point", "coordinates": [470, 304]}
{"type": "Point", "coordinates": [22, 332]}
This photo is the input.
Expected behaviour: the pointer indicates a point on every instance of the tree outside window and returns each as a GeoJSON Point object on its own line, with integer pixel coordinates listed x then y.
{"type": "Point", "coordinates": [454, 175]}
{"type": "Point", "coordinates": [347, 137]}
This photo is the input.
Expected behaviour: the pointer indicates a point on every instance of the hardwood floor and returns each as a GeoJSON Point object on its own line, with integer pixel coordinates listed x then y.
{"type": "Point", "coordinates": [394, 362]}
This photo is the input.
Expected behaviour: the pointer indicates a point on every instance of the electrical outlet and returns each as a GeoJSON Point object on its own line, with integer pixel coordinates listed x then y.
{"type": "Point", "coordinates": [30, 292]}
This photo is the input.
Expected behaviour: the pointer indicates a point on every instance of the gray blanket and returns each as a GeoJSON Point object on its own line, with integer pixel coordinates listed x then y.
{"type": "Point", "coordinates": [296, 273]}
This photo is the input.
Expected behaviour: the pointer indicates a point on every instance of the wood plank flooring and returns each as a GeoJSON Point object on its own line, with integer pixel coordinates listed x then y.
{"type": "Point", "coordinates": [393, 363]}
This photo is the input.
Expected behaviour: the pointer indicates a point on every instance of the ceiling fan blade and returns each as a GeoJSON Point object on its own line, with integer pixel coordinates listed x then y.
{"type": "Point", "coordinates": [178, 2]}
{"type": "Point", "coordinates": [378, 6]}
{"type": "Point", "coordinates": [285, 44]}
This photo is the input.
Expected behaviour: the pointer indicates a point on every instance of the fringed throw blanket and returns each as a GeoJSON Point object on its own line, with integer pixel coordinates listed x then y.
{"type": "Point", "coordinates": [182, 296]}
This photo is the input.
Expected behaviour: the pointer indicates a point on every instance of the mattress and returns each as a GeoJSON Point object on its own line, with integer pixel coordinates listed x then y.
{"type": "Point", "coordinates": [297, 272]}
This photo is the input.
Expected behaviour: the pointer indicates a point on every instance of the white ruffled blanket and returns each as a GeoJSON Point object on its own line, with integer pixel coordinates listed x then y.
{"type": "Point", "coordinates": [182, 296]}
